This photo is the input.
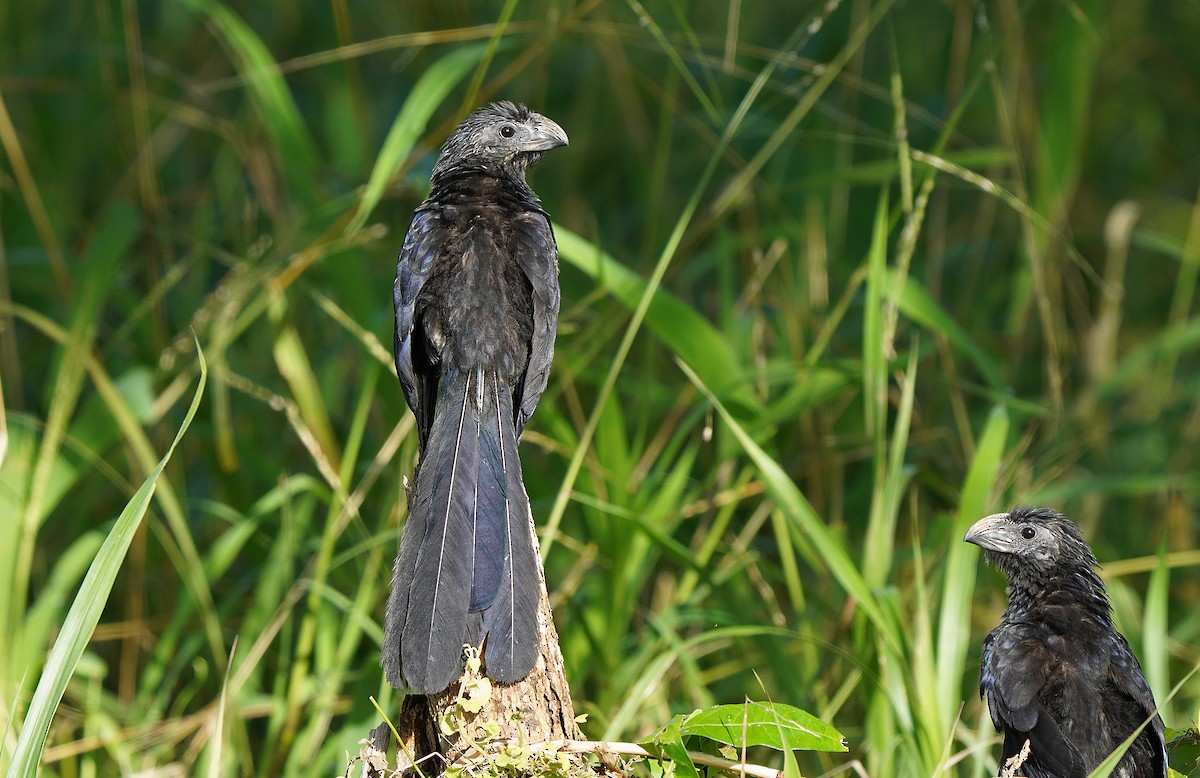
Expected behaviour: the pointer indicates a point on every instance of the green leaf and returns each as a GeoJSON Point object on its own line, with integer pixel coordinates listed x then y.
{"type": "Point", "coordinates": [85, 611]}
{"type": "Point", "coordinates": [667, 743]}
{"type": "Point", "coordinates": [778, 726]}
{"type": "Point", "coordinates": [1183, 748]}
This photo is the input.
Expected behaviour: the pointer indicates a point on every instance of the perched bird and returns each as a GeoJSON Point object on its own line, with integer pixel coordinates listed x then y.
{"type": "Point", "coordinates": [1056, 672]}
{"type": "Point", "coordinates": [476, 301]}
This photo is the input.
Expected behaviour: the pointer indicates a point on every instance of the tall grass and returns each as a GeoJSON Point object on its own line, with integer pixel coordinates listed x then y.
{"type": "Point", "coordinates": [837, 280]}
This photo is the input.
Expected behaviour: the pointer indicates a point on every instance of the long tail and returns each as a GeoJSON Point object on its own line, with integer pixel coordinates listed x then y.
{"type": "Point", "coordinates": [465, 568]}
{"type": "Point", "coordinates": [510, 624]}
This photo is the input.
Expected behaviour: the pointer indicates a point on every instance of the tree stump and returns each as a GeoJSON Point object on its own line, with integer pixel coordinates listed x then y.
{"type": "Point", "coordinates": [536, 709]}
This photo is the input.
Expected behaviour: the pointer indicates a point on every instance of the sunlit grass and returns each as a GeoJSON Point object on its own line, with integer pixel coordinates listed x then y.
{"type": "Point", "coordinates": [837, 280]}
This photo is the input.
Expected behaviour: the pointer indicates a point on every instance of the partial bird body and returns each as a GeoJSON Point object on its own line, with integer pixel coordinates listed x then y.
{"type": "Point", "coordinates": [1056, 672]}
{"type": "Point", "coordinates": [476, 301]}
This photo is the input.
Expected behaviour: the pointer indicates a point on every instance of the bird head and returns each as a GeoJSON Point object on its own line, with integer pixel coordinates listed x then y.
{"type": "Point", "coordinates": [503, 139]}
{"type": "Point", "coordinates": [1030, 542]}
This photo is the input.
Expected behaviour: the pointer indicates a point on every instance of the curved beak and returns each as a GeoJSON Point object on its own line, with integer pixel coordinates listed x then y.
{"type": "Point", "coordinates": [544, 135]}
{"type": "Point", "coordinates": [993, 533]}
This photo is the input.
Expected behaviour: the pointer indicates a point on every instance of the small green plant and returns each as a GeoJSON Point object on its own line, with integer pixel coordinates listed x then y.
{"type": "Point", "coordinates": [681, 744]}
{"type": "Point", "coordinates": [483, 752]}
{"type": "Point", "coordinates": [943, 261]}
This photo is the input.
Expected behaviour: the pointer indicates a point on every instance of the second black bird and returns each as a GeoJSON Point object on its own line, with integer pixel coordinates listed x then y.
{"type": "Point", "coordinates": [1060, 681]}
{"type": "Point", "coordinates": [476, 301]}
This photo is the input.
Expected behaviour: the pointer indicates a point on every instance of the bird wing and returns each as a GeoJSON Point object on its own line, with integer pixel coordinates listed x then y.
{"type": "Point", "coordinates": [1125, 675]}
{"type": "Point", "coordinates": [537, 254]}
{"type": "Point", "coordinates": [413, 269]}
{"type": "Point", "coordinates": [1015, 669]}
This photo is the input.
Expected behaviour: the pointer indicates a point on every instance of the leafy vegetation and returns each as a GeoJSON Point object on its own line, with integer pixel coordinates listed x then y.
{"type": "Point", "coordinates": [838, 279]}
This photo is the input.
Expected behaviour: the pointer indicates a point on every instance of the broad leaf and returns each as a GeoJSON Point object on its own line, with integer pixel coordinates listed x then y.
{"type": "Point", "coordinates": [775, 725]}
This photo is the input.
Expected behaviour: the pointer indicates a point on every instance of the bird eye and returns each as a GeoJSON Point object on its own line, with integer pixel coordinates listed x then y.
{"type": "Point", "coordinates": [507, 131]}
{"type": "Point", "coordinates": [1028, 532]}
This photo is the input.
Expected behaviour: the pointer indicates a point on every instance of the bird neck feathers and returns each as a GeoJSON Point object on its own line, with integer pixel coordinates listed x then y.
{"type": "Point", "coordinates": [1078, 583]}
{"type": "Point", "coordinates": [471, 183]}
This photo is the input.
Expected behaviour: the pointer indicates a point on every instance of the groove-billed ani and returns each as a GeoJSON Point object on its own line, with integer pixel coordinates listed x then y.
{"type": "Point", "coordinates": [1055, 671]}
{"type": "Point", "coordinates": [476, 300]}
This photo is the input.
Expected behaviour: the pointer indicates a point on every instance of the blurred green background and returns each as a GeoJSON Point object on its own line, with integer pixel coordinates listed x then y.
{"type": "Point", "coordinates": [837, 280]}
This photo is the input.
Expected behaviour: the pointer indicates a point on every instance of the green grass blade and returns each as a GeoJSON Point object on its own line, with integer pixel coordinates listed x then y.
{"type": "Point", "coordinates": [86, 609]}
{"type": "Point", "coordinates": [108, 246]}
{"type": "Point", "coordinates": [493, 43]}
{"type": "Point", "coordinates": [427, 94]}
{"type": "Point", "coordinates": [1156, 650]}
{"type": "Point", "coordinates": [916, 303]}
{"type": "Point", "coordinates": [677, 62]}
{"type": "Point", "coordinates": [46, 610]}
{"type": "Point", "coordinates": [877, 554]}
{"type": "Point", "coordinates": [1105, 768]}
{"type": "Point", "coordinates": [732, 127]}
{"type": "Point", "coordinates": [293, 363]}
{"type": "Point", "coordinates": [270, 95]}
{"type": "Point", "coordinates": [785, 131]}
{"type": "Point", "coordinates": [961, 563]}
{"type": "Point", "coordinates": [1170, 342]}
{"type": "Point", "coordinates": [785, 493]}
{"type": "Point", "coordinates": [689, 335]}
{"type": "Point", "coordinates": [874, 358]}
{"type": "Point", "coordinates": [885, 504]}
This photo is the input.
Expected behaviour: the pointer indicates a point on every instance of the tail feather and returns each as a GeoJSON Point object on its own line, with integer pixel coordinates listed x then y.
{"type": "Point", "coordinates": [490, 509]}
{"type": "Point", "coordinates": [439, 590]}
{"type": "Point", "coordinates": [398, 599]}
{"type": "Point", "coordinates": [510, 624]}
{"type": "Point", "coordinates": [466, 570]}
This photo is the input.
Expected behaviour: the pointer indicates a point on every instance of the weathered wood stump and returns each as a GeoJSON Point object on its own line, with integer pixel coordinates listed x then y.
{"type": "Point", "coordinates": [536, 709]}
{"type": "Point", "coordinates": [533, 710]}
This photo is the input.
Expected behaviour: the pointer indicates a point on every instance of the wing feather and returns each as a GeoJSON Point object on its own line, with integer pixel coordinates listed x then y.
{"type": "Point", "coordinates": [1014, 674]}
{"type": "Point", "coordinates": [537, 253]}
{"type": "Point", "coordinates": [413, 268]}
{"type": "Point", "coordinates": [1125, 675]}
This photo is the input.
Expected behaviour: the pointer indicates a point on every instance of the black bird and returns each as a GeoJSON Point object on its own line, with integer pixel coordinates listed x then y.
{"type": "Point", "coordinates": [476, 300]}
{"type": "Point", "coordinates": [1056, 672]}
